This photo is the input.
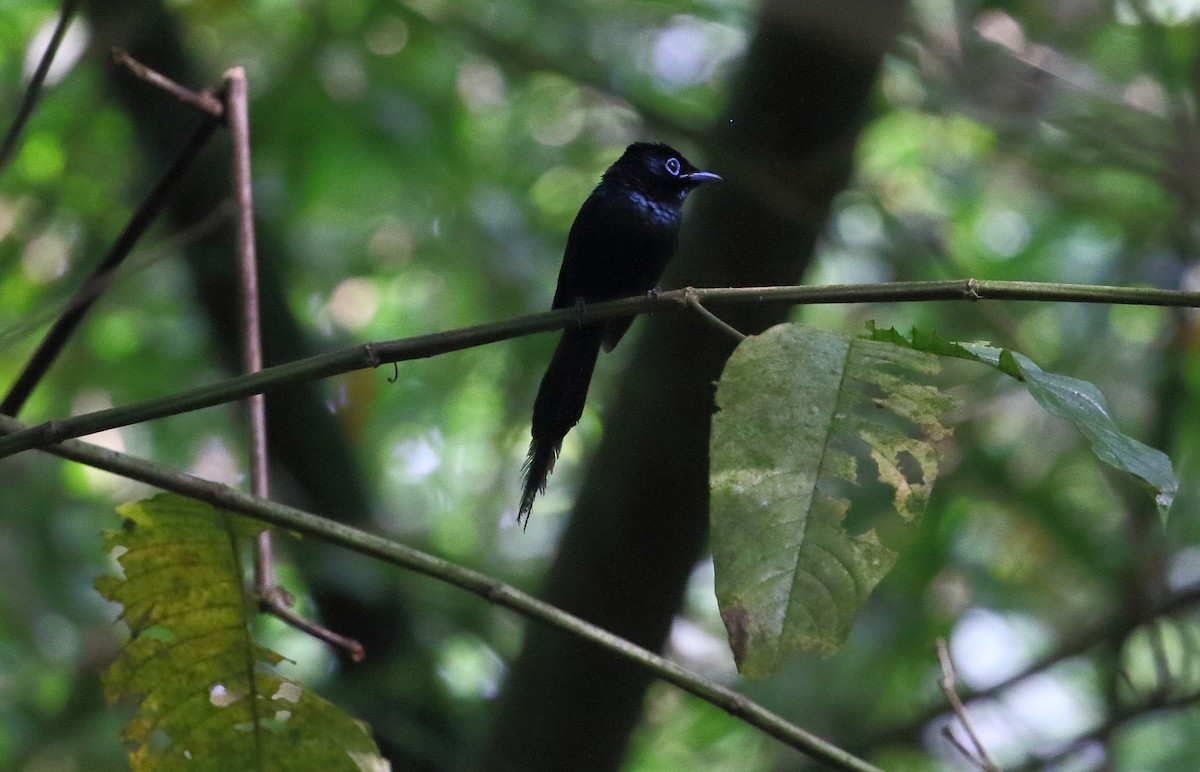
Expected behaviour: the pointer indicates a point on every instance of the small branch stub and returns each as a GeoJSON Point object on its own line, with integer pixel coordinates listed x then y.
{"type": "Point", "coordinates": [205, 100]}
{"type": "Point", "coordinates": [692, 300]}
{"type": "Point", "coordinates": [977, 754]}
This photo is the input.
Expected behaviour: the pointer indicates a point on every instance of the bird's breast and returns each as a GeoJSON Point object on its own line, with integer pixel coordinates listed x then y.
{"type": "Point", "coordinates": [654, 210]}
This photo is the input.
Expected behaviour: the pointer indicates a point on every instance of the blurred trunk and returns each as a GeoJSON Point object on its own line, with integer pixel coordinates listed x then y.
{"type": "Point", "coordinates": [785, 147]}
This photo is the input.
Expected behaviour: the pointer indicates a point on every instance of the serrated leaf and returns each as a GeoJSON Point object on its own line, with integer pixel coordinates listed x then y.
{"type": "Point", "coordinates": [205, 699]}
{"type": "Point", "coordinates": [928, 341]}
{"type": "Point", "coordinates": [1081, 403]}
{"type": "Point", "coordinates": [794, 404]}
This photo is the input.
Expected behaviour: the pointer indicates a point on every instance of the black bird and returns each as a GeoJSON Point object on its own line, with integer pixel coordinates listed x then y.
{"type": "Point", "coordinates": [619, 245]}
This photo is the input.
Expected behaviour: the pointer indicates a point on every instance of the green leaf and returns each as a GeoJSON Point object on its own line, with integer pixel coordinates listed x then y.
{"type": "Point", "coordinates": [798, 407]}
{"type": "Point", "coordinates": [928, 341]}
{"type": "Point", "coordinates": [1075, 400]}
{"type": "Point", "coordinates": [1084, 406]}
{"type": "Point", "coordinates": [206, 699]}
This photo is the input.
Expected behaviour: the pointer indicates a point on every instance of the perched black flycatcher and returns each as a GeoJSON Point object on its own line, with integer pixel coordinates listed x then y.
{"type": "Point", "coordinates": [620, 242]}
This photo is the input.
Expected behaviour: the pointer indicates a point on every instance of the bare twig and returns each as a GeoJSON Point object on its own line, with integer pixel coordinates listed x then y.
{"type": "Point", "coordinates": [204, 100]}
{"type": "Point", "coordinates": [272, 599]}
{"type": "Point", "coordinates": [169, 245]}
{"type": "Point", "coordinates": [694, 303]}
{"type": "Point", "coordinates": [499, 593]}
{"type": "Point", "coordinates": [34, 89]}
{"type": "Point", "coordinates": [515, 57]}
{"type": "Point", "coordinates": [1113, 723]}
{"type": "Point", "coordinates": [950, 737]}
{"type": "Point", "coordinates": [277, 604]}
{"type": "Point", "coordinates": [252, 359]}
{"type": "Point", "coordinates": [100, 278]}
{"type": "Point", "coordinates": [979, 755]}
{"type": "Point", "coordinates": [1079, 644]}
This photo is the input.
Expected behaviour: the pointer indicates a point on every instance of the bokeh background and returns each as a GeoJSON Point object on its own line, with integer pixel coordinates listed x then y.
{"type": "Point", "coordinates": [417, 164]}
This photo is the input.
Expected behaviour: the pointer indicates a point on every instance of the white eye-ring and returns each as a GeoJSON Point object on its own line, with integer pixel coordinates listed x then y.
{"type": "Point", "coordinates": [673, 166]}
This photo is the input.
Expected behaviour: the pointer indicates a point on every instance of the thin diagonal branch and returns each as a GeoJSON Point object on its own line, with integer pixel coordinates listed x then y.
{"type": "Point", "coordinates": [100, 278]}
{"type": "Point", "coordinates": [34, 89]}
{"type": "Point", "coordinates": [1115, 630]}
{"type": "Point", "coordinates": [712, 318]}
{"type": "Point", "coordinates": [978, 753]}
{"type": "Point", "coordinates": [395, 553]}
{"type": "Point", "coordinates": [1111, 725]}
{"type": "Point", "coordinates": [204, 100]}
{"type": "Point", "coordinates": [423, 346]}
{"type": "Point", "coordinates": [514, 57]}
{"type": "Point", "coordinates": [278, 608]}
{"type": "Point", "coordinates": [171, 244]}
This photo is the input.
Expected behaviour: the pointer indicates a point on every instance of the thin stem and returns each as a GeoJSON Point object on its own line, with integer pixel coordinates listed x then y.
{"type": "Point", "coordinates": [950, 737]}
{"type": "Point", "coordinates": [252, 358]}
{"type": "Point", "coordinates": [423, 346]}
{"type": "Point", "coordinates": [169, 245]}
{"type": "Point", "coordinates": [273, 599]}
{"type": "Point", "coordinates": [280, 608]}
{"type": "Point", "coordinates": [980, 754]}
{"type": "Point", "coordinates": [34, 89]}
{"type": "Point", "coordinates": [395, 553]}
{"type": "Point", "coordinates": [101, 276]}
{"type": "Point", "coordinates": [1115, 630]}
{"type": "Point", "coordinates": [1104, 732]}
{"type": "Point", "coordinates": [514, 57]}
{"type": "Point", "coordinates": [204, 100]}
{"type": "Point", "coordinates": [694, 303]}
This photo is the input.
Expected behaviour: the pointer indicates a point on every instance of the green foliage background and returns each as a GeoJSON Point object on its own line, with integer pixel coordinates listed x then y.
{"type": "Point", "coordinates": [421, 163]}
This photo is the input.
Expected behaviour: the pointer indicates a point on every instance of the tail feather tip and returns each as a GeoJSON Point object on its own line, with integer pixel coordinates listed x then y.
{"type": "Point", "coordinates": [537, 469]}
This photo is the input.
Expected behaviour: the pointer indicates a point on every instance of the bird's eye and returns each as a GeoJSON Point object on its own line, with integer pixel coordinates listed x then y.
{"type": "Point", "coordinates": [673, 166]}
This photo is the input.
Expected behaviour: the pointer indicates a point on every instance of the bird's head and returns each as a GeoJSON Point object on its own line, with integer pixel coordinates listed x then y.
{"type": "Point", "coordinates": [655, 170]}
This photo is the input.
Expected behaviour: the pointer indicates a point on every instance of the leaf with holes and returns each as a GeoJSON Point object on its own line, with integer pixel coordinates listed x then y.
{"type": "Point", "coordinates": [206, 698]}
{"type": "Point", "coordinates": [800, 409]}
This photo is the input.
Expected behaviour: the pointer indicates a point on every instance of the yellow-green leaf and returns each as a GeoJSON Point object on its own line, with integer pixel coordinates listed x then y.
{"type": "Point", "coordinates": [206, 699]}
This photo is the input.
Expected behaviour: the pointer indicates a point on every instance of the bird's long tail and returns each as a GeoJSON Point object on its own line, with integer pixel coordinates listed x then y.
{"type": "Point", "coordinates": [558, 406]}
